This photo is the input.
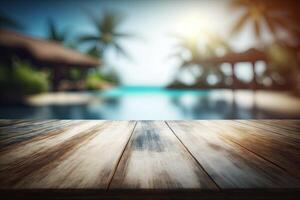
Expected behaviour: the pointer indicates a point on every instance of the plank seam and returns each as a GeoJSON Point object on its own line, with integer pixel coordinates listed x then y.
{"type": "Point", "coordinates": [218, 187]}
{"type": "Point", "coordinates": [119, 160]}
{"type": "Point", "coordinates": [260, 156]}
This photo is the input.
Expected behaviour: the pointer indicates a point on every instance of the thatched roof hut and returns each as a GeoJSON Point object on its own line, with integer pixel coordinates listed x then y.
{"type": "Point", "coordinates": [41, 52]}
{"type": "Point", "coordinates": [251, 55]}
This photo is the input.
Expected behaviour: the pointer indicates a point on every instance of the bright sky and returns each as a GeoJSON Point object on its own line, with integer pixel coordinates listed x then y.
{"type": "Point", "coordinates": [153, 21]}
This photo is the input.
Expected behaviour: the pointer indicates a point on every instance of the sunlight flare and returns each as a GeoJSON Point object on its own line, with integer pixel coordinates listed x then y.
{"type": "Point", "coordinates": [194, 26]}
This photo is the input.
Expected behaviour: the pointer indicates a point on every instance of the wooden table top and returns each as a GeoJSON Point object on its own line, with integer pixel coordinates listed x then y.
{"type": "Point", "coordinates": [212, 158]}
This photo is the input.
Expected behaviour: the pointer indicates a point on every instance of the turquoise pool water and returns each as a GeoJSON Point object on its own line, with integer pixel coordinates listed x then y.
{"type": "Point", "coordinates": [140, 103]}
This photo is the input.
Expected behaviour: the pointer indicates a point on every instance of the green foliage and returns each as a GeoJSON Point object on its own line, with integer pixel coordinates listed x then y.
{"type": "Point", "coordinates": [193, 51]}
{"type": "Point", "coordinates": [98, 80]}
{"type": "Point", "coordinates": [61, 36]}
{"type": "Point", "coordinates": [275, 15]}
{"type": "Point", "coordinates": [75, 73]}
{"type": "Point", "coordinates": [22, 79]}
{"type": "Point", "coordinates": [108, 35]}
{"type": "Point", "coordinates": [280, 59]}
{"type": "Point", "coordinates": [110, 76]}
{"type": "Point", "coordinates": [94, 81]}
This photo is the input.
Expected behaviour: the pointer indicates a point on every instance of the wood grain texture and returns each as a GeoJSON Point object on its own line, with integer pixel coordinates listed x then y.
{"type": "Point", "coordinates": [14, 134]}
{"type": "Point", "coordinates": [9, 122]}
{"type": "Point", "coordinates": [285, 128]}
{"type": "Point", "coordinates": [155, 159]}
{"type": "Point", "coordinates": [115, 157]}
{"type": "Point", "coordinates": [289, 124]}
{"type": "Point", "coordinates": [83, 156]}
{"type": "Point", "coordinates": [230, 165]}
{"type": "Point", "coordinates": [279, 149]}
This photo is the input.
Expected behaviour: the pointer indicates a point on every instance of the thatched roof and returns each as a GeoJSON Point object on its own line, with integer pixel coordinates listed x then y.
{"type": "Point", "coordinates": [251, 55]}
{"type": "Point", "coordinates": [41, 52]}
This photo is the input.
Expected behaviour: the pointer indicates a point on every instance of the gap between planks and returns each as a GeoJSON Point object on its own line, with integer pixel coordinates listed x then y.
{"type": "Point", "coordinates": [219, 188]}
{"type": "Point", "coordinates": [117, 165]}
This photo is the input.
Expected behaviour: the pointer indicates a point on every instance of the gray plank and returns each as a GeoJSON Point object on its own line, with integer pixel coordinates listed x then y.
{"type": "Point", "coordinates": [84, 156]}
{"type": "Point", "coordinates": [12, 135]}
{"type": "Point", "coordinates": [155, 159]}
{"type": "Point", "coordinates": [230, 165]}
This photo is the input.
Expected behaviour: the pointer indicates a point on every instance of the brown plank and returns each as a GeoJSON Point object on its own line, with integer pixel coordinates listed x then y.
{"type": "Point", "coordinates": [278, 149]}
{"type": "Point", "coordinates": [287, 125]}
{"type": "Point", "coordinates": [230, 165]}
{"type": "Point", "coordinates": [291, 123]}
{"type": "Point", "coordinates": [155, 159]}
{"type": "Point", "coordinates": [280, 128]}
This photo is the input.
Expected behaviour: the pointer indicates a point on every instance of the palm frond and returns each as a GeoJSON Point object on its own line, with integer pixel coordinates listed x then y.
{"type": "Point", "coordinates": [124, 35]}
{"type": "Point", "coordinates": [257, 29]}
{"type": "Point", "coordinates": [54, 34]}
{"type": "Point", "coordinates": [110, 22]}
{"type": "Point", "coordinates": [121, 51]}
{"type": "Point", "coordinates": [271, 24]}
{"type": "Point", "coordinates": [108, 34]}
{"type": "Point", "coordinates": [240, 23]}
{"type": "Point", "coordinates": [237, 4]}
{"type": "Point", "coordinates": [95, 52]}
{"type": "Point", "coordinates": [89, 38]}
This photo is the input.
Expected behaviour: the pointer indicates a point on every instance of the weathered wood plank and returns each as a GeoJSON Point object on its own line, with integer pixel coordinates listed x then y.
{"type": "Point", "coordinates": [230, 165]}
{"type": "Point", "coordinates": [10, 122]}
{"type": "Point", "coordinates": [287, 125]}
{"type": "Point", "coordinates": [84, 156]}
{"type": "Point", "coordinates": [25, 128]}
{"type": "Point", "coordinates": [276, 127]}
{"type": "Point", "coordinates": [281, 150]}
{"type": "Point", "coordinates": [20, 160]}
{"type": "Point", "coordinates": [23, 125]}
{"type": "Point", "coordinates": [290, 123]}
{"type": "Point", "coordinates": [12, 135]}
{"type": "Point", "coordinates": [42, 142]}
{"type": "Point", "coordinates": [155, 159]}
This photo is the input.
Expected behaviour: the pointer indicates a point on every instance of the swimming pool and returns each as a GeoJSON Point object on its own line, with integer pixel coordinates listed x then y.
{"type": "Point", "coordinates": [145, 103]}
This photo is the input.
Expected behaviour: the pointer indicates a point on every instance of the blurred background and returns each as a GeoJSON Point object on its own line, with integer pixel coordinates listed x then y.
{"type": "Point", "coordinates": [138, 59]}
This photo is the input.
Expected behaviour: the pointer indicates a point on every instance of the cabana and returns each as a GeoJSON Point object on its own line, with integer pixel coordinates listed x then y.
{"type": "Point", "coordinates": [43, 53]}
{"type": "Point", "coordinates": [252, 55]}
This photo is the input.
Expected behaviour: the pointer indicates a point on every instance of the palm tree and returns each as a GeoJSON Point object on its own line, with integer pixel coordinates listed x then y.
{"type": "Point", "coordinates": [279, 16]}
{"type": "Point", "coordinates": [54, 34]}
{"type": "Point", "coordinates": [60, 36]}
{"type": "Point", "coordinates": [196, 55]}
{"type": "Point", "coordinates": [276, 14]}
{"type": "Point", "coordinates": [107, 36]}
